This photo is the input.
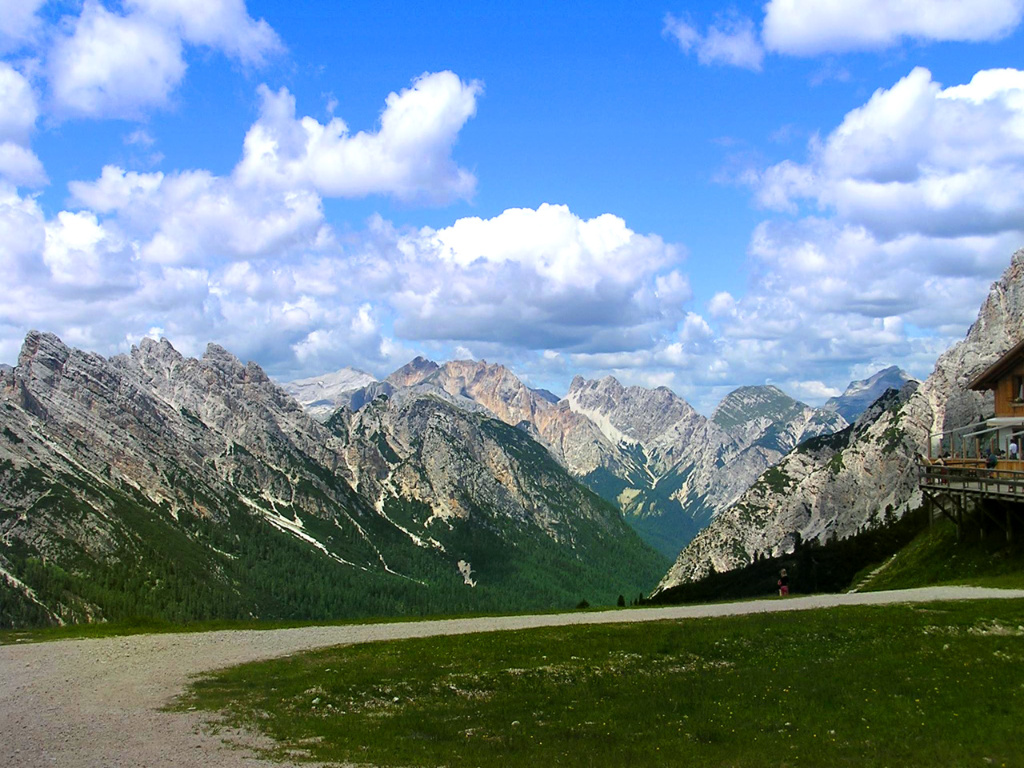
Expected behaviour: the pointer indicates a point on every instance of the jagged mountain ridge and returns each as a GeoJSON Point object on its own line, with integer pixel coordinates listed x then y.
{"type": "Point", "coordinates": [203, 485]}
{"type": "Point", "coordinates": [840, 488]}
{"type": "Point", "coordinates": [767, 416]}
{"type": "Point", "coordinates": [647, 450]}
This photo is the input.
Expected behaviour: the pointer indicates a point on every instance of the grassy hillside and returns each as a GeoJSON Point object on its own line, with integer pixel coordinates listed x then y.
{"type": "Point", "coordinates": [936, 557]}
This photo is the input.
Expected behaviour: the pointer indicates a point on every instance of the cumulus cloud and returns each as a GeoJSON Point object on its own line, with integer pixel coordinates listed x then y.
{"type": "Point", "coordinates": [19, 24]}
{"type": "Point", "coordinates": [897, 221]}
{"type": "Point", "coordinates": [114, 66]}
{"type": "Point", "coordinates": [409, 156]}
{"type": "Point", "coordinates": [80, 252]}
{"type": "Point", "coordinates": [812, 27]}
{"type": "Point", "coordinates": [18, 114]}
{"type": "Point", "coordinates": [21, 166]}
{"type": "Point", "coordinates": [579, 284]}
{"type": "Point", "coordinates": [731, 40]}
{"type": "Point", "coordinates": [193, 217]}
{"type": "Point", "coordinates": [108, 64]}
{"type": "Point", "coordinates": [918, 158]}
{"type": "Point", "coordinates": [18, 108]}
{"type": "Point", "coordinates": [825, 296]}
{"type": "Point", "coordinates": [221, 24]}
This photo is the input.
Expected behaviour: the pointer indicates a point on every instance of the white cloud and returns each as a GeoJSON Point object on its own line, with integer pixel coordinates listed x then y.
{"type": "Point", "coordinates": [685, 34]}
{"type": "Point", "coordinates": [108, 64]}
{"type": "Point", "coordinates": [408, 157]}
{"type": "Point", "coordinates": [578, 284]}
{"type": "Point", "coordinates": [221, 24]}
{"type": "Point", "coordinates": [18, 113]}
{"type": "Point", "coordinates": [918, 158]}
{"type": "Point", "coordinates": [20, 166]}
{"type": "Point", "coordinates": [194, 217]}
{"type": "Point", "coordinates": [812, 27]}
{"type": "Point", "coordinates": [815, 391]}
{"type": "Point", "coordinates": [824, 295]}
{"type": "Point", "coordinates": [731, 40]}
{"type": "Point", "coordinates": [22, 236]}
{"type": "Point", "coordinates": [18, 108]}
{"type": "Point", "coordinates": [917, 202]}
{"type": "Point", "coordinates": [19, 23]}
{"type": "Point", "coordinates": [80, 252]}
{"type": "Point", "coordinates": [114, 66]}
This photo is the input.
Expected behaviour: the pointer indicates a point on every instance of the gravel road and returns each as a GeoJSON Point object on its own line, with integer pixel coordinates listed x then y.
{"type": "Point", "coordinates": [94, 703]}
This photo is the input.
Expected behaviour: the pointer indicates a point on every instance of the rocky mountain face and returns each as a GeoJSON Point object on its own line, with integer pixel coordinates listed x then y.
{"type": "Point", "coordinates": [831, 487]}
{"type": "Point", "coordinates": [665, 466]}
{"type": "Point", "coordinates": [151, 484]}
{"type": "Point", "coordinates": [767, 417]}
{"type": "Point", "coordinates": [859, 395]}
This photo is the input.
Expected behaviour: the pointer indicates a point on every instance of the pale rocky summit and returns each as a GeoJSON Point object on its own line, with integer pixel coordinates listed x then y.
{"type": "Point", "coordinates": [323, 395]}
{"type": "Point", "coordinates": [860, 477]}
{"type": "Point", "coordinates": [859, 395]}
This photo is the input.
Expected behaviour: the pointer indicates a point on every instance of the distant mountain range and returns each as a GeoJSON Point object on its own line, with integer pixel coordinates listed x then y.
{"type": "Point", "coordinates": [155, 485]}
{"type": "Point", "coordinates": [669, 469]}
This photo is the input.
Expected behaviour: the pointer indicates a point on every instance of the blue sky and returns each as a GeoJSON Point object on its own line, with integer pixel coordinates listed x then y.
{"type": "Point", "coordinates": [796, 192]}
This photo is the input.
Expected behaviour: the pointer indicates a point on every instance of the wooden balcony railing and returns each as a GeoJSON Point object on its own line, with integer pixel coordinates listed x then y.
{"type": "Point", "coordinates": [1006, 480]}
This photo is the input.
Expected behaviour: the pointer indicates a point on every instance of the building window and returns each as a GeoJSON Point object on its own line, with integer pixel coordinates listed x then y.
{"type": "Point", "coordinates": [1018, 389]}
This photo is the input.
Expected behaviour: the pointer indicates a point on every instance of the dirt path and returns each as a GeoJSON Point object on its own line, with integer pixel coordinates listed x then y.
{"type": "Point", "coordinates": [94, 703]}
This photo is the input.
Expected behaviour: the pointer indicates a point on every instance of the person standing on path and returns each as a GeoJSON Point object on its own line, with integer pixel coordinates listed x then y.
{"type": "Point", "coordinates": [783, 583]}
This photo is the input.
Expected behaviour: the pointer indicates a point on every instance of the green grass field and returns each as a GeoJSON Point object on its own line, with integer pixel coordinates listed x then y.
{"type": "Point", "coordinates": [934, 685]}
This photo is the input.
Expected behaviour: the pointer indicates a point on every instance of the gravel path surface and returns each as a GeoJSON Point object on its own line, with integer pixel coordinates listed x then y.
{"type": "Point", "coordinates": [94, 703]}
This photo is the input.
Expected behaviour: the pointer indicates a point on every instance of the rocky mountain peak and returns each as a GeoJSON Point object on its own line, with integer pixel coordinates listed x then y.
{"type": "Point", "coordinates": [220, 359]}
{"type": "Point", "coordinates": [412, 373]}
{"type": "Point", "coordinates": [860, 394]}
{"type": "Point", "coordinates": [42, 355]}
{"type": "Point", "coordinates": [578, 382]}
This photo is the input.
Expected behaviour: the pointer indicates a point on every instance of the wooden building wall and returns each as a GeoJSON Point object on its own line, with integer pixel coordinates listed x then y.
{"type": "Point", "coordinates": [1008, 393]}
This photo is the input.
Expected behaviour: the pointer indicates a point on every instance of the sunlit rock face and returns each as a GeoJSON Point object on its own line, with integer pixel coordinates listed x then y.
{"type": "Point", "coordinates": [668, 468]}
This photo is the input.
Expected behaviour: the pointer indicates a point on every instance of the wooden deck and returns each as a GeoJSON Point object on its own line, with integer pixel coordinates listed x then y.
{"type": "Point", "coordinates": [965, 490]}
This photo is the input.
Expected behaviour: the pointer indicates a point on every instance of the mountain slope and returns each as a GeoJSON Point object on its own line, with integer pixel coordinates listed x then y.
{"type": "Point", "coordinates": [648, 451]}
{"type": "Point", "coordinates": [837, 489]}
{"type": "Point", "coordinates": [156, 485]}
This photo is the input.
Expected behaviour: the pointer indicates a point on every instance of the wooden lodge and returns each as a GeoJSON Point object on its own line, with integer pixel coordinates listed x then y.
{"type": "Point", "coordinates": [978, 471]}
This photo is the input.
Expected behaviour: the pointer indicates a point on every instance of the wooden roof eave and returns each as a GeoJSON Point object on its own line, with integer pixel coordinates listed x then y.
{"type": "Point", "coordinates": [988, 378]}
